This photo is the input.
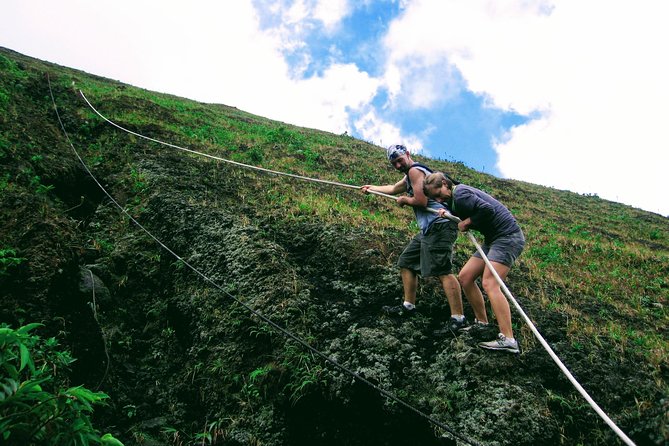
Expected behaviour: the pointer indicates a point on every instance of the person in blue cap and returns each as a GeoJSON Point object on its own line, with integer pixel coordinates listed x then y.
{"type": "Point", "coordinates": [430, 252]}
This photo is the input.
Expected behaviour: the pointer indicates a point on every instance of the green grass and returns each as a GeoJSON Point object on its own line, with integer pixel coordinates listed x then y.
{"type": "Point", "coordinates": [601, 256]}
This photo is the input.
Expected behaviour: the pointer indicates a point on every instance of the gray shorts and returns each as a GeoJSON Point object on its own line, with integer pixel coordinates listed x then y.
{"type": "Point", "coordinates": [431, 254]}
{"type": "Point", "coordinates": [505, 249]}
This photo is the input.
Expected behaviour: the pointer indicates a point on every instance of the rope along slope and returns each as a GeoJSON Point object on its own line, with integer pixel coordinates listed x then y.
{"type": "Point", "coordinates": [268, 321]}
{"type": "Point", "coordinates": [471, 237]}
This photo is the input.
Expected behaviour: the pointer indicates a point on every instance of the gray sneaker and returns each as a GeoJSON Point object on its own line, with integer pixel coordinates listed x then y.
{"type": "Point", "coordinates": [501, 343]}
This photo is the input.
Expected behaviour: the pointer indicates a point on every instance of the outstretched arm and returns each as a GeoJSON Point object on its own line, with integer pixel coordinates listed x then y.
{"type": "Point", "coordinates": [391, 189]}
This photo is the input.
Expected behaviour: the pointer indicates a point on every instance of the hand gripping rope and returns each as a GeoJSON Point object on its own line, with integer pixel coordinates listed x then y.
{"type": "Point", "coordinates": [471, 237]}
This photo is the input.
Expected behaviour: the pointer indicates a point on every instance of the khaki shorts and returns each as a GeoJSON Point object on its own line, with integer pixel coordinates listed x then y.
{"type": "Point", "coordinates": [431, 254]}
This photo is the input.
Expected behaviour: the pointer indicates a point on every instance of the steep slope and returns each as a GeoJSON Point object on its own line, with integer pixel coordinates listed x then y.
{"type": "Point", "coordinates": [184, 363]}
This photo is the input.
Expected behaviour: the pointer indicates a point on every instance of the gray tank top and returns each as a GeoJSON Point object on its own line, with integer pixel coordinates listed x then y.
{"type": "Point", "coordinates": [424, 218]}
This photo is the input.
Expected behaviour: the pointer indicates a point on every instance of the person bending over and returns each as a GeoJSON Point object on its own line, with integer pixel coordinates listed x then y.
{"type": "Point", "coordinates": [503, 243]}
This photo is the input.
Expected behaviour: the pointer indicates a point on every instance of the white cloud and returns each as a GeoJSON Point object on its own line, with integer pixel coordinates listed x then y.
{"type": "Point", "coordinates": [296, 13]}
{"type": "Point", "coordinates": [413, 84]}
{"type": "Point", "coordinates": [212, 53]}
{"type": "Point", "coordinates": [594, 71]}
{"type": "Point", "coordinates": [331, 12]}
{"type": "Point", "coordinates": [325, 102]}
{"type": "Point", "coordinates": [293, 20]}
{"type": "Point", "coordinates": [378, 131]}
{"type": "Point", "coordinates": [488, 41]}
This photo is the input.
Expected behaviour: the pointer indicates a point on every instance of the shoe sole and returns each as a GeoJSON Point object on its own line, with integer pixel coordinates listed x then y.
{"type": "Point", "coordinates": [509, 350]}
{"type": "Point", "coordinates": [475, 327]}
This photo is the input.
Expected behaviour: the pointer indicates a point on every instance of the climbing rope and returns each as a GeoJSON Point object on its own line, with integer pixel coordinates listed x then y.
{"type": "Point", "coordinates": [94, 308]}
{"type": "Point", "coordinates": [543, 342]}
{"type": "Point", "coordinates": [268, 321]}
{"type": "Point", "coordinates": [536, 333]}
{"type": "Point", "coordinates": [471, 237]}
{"type": "Point", "coordinates": [235, 163]}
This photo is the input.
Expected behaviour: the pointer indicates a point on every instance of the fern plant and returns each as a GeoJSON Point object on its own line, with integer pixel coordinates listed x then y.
{"type": "Point", "coordinates": [34, 409]}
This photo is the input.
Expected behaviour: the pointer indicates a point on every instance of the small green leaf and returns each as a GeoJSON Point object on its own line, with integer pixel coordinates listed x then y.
{"type": "Point", "coordinates": [109, 440]}
{"type": "Point", "coordinates": [25, 358]}
{"type": "Point", "coordinates": [10, 370]}
{"type": "Point", "coordinates": [7, 336]}
{"type": "Point", "coordinates": [26, 328]}
{"type": "Point", "coordinates": [29, 385]}
{"type": "Point", "coordinates": [4, 393]}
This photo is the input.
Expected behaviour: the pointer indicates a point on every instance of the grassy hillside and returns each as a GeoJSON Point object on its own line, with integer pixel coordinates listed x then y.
{"type": "Point", "coordinates": [184, 364]}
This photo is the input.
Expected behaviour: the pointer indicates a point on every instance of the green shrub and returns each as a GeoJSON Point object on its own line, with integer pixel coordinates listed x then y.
{"type": "Point", "coordinates": [8, 259]}
{"type": "Point", "coordinates": [34, 408]}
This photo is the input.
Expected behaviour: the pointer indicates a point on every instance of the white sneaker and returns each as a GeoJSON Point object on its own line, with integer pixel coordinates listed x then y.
{"type": "Point", "coordinates": [501, 343]}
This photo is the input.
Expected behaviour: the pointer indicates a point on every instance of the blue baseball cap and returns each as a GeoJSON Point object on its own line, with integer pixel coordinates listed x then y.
{"type": "Point", "coordinates": [395, 151]}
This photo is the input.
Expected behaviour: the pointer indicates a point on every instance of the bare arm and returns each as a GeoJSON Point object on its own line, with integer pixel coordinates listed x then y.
{"type": "Point", "coordinates": [419, 199]}
{"type": "Point", "coordinates": [391, 189]}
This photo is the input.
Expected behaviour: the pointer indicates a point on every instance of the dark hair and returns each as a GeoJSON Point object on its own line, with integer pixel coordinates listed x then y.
{"type": "Point", "coordinates": [437, 178]}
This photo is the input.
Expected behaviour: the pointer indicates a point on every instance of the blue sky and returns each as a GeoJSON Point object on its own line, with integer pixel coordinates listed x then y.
{"type": "Point", "coordinates": [564, 93]}
{"type": "Point", "coordinates": [459, 126]}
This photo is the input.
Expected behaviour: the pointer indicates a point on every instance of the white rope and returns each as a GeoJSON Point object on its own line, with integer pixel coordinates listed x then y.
{"type": "Point", "coordinates": [248, 166]}
{"type": "Point", "coordinates": [94, 306]}
{"type": "Point", "coordinates": [540, 338]}
{"type": "Point", "coordinates": [289, 334]}
{"type": "Point", "coordinates": [471, 237]}
{"type": "Point", "coordinates": [550, 351]}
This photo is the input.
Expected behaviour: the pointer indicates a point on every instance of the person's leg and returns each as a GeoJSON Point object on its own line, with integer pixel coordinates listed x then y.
{"type": "Point", "coordinates": [453, 293]}
{"type": "Point", "coordinates": [502, 253]}
{"type": "Point", "coordinates": [467, 276]}
{"type": "Point", "coordinates": [410, 284]}
{"type": "Point", "coordinates": [409, 263]}
{"type": "Point", "coordinates": [498, 302]}
{"type": "Point", "coordinates": [436, 258]}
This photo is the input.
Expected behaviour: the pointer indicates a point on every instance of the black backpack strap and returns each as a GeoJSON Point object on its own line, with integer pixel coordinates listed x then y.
{"type": "Point", "coordinates": [455, 182]}
{"type": "Point", "coordinates": [420, 165]}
